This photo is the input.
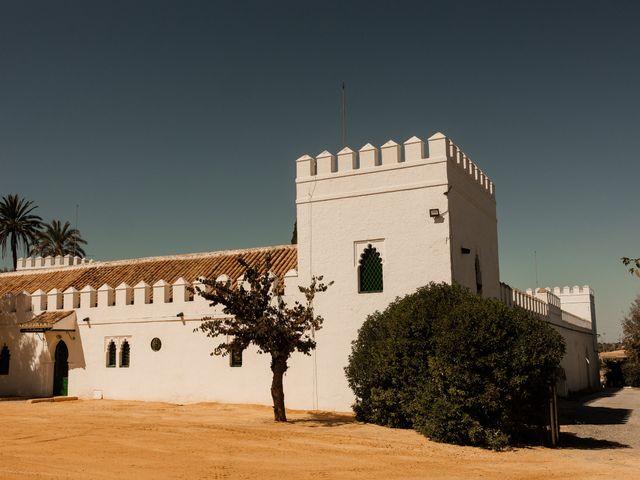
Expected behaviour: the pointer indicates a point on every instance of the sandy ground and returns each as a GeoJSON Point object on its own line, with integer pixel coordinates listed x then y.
{"type": "Point", "coordinates": [121, 439]}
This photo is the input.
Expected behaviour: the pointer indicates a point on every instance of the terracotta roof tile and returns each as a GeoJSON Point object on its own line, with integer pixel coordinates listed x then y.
{"type": "Point", "coordinates": [45, 320]}
{"type": "Point", "coordinates": [150, 270]}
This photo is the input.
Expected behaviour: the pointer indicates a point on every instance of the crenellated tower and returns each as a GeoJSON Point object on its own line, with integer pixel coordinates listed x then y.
{"type": "Point", "coordinates": [381, 222]}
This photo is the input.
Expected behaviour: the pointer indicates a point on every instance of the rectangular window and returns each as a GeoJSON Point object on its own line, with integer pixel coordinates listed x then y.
{"type": "Point", "coordinates": [5, 357]}
{"type": "Point", "coordinates": [235, 359]}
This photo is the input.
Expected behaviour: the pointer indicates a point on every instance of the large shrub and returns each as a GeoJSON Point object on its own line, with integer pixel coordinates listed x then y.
{"type": "Point", "coordinates": [631, 373]}
{"type": "Point", "coordinates": [389, 359]}
{"type": "Point", "coordinates": [457, 367]}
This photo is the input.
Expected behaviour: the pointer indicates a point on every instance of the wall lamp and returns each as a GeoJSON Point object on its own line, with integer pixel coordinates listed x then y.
{"type": "Point", "coordinates": [85, 319]}
{"type": "Point", "coordinates": [181, 314]}
{"type": "Point", "coordinates": [434, 212]}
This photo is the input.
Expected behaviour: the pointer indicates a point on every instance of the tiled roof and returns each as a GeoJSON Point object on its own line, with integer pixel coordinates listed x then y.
{"type": "Point", "coordinates": [45, 320]}
{"type": "Point", "coordinates": [150, 270]}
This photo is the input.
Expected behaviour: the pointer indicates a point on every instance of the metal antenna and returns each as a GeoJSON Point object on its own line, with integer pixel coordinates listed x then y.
{"type": "Point", "coordinates": [75, 240]}
{"type": "Point", "coordinates": [344, 115]}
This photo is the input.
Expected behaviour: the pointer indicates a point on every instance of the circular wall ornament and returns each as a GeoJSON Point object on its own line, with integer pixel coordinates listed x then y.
{"type": "Point", "coordinates": [156, 344]}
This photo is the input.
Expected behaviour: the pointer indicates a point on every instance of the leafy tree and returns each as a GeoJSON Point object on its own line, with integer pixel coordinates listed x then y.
{"type": "Point", "coordinates": [631, 341]}
{"type": "Point", "coordinates": [455, 366]}
{"type": "Point", "coordinates": [259, 316]}
{"type": "Point", "coordinates": [18, 225]}
{"type": "Point", "coordinates": [58, 239]}
{"type": "Point", "coordinates": [635, 265]}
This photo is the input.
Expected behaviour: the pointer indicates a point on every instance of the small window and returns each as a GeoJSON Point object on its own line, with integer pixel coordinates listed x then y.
{"type": "Point", "coordinates": [5, 357]}
{"type": "Point", "coordinates": [111, 354]}
{"type": "Point", "coordinates": [478, 276]}
{"type": "Point", "coordinates": [370, 271]}
{"type": "Point", "coordinates": [236, 357]}
{"type": "Point", "coordinates": [125, 353]}
{"type": "Point", "coordinates": [156, 344]}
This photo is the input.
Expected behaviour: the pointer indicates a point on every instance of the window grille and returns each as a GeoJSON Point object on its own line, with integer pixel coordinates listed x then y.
{"type": "Point", "coordinates": [111, 354]}
{"type": "Point", "coordinates": [370, 271]}
{"type": "Point", "coordinates": [125, 354]}
{"type": "Point", "coordinates": [5, 356]}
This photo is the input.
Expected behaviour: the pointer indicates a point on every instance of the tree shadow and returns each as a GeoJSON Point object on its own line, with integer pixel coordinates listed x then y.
{"type": "Point", "coordinates": [577, 411]}
{"type": "Point", "coordinates": [572, 441]}
{"type": "Point", "coordinates": [325, 419]}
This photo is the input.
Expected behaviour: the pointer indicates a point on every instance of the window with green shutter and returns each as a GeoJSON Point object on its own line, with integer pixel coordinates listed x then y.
{"type": "Point", "coordinates": [125, 354]}
{"type": "Point", "coordinates": [370, 271]}
{"type": "Point", "coordinates": [111, 354]}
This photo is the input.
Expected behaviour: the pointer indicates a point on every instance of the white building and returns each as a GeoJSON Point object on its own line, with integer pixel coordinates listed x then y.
{"type": "Point", "coordinates": [378, 222]}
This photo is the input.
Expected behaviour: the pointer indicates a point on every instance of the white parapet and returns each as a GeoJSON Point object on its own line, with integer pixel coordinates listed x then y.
{"type": "Point", "coordinates": [39, 301]}
{"type": "Point", "coordinates": [413, 150]}
{"type": "Point", "coordinates": [88, 297]}
{"type": "Point", "coordinates": [181, 291]}
{"type": "Point", "coordinates": [390, 153]}
{"type": "Point", "coordinates": [124, 294]}
{"type": "Point", "coordinates": [54, 299]}
{"type": "Point", "coordinates": [347, 160]}
{"type": "Point", "coordinates": [142, 293]}
{"type": "Point", "coordinates": [325, 163]}
{"type": "Point", "coordinates": [106, 296]}
{"type": "Point", "coordinates": [162, 292]}
{"type": "Point", "coordinates": [368, 156]}
{"type": "Point", "coordinates": [71, 298]}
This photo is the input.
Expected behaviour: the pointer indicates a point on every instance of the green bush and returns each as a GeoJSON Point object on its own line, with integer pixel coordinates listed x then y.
{"type": "Point", "coordinates": [631, 373]}
{"type": "Point", "coordinates": [456, 367]}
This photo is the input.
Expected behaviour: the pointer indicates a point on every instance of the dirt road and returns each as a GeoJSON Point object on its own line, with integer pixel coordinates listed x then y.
{"type": "Point", "coordinates": [126, 440]}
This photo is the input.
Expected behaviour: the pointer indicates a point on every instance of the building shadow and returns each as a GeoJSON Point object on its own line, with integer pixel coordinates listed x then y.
{"type": "Point", "coordinates": [578, 411]}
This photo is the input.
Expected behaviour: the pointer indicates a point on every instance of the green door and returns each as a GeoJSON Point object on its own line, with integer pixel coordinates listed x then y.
{"type": "Point", "coordinates": [61, 370]}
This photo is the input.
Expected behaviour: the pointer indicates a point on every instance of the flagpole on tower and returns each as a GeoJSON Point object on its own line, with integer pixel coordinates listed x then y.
{"type": "Point", "coordinates": [344, 115]}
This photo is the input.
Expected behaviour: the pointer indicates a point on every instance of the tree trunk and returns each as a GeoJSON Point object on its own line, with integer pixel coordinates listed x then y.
{"type": "Point", "coordinates": [14, 251]}
{"type": "Point", "coordinates": [278, 367]}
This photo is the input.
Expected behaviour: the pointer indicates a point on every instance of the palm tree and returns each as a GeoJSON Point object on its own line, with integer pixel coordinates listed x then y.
{"type": "Point", "coordinates": [58, 239]}
{"type": "Point", "coordinates": [18, 226]}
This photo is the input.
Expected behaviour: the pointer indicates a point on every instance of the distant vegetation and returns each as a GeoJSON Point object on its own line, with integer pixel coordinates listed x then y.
{"type": "Point", "coordinates": [456, 367]}
{"type": "Point", "coordinates": [631, 341]}
{"type": "Point", "coordinates": [21, 228]}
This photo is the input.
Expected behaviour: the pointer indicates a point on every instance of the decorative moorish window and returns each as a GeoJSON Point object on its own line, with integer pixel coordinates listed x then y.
{"type": "Point", "coordinates": [111, 354]}
{"type": "Point", "coordinates": [370, 271]}
{"type": "Point", "coordinates": [5, 357]}
{"type": "Point", "coordinates": [125, 354]}
{"type": "Point", "coordinates": [235, 359]}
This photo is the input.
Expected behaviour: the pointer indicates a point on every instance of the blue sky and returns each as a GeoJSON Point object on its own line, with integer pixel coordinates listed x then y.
{"type": "Point", "coordinates": [175, 124]}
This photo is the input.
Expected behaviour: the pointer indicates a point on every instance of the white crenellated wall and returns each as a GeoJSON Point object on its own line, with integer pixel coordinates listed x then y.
{"type": "Point", "coordinates": [46, 263]}
{"type": "Point", "coordinates": [182, 371]}
{"type": "Point", "coordinates": [580, 362]}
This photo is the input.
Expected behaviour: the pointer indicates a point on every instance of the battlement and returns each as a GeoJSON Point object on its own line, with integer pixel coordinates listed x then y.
{"type": "Point", "coordinates": [575, 290]}
{"type": "Point", "coordinates": [370, 159]}
{"type": "Point", "coordinates": [38, 263]}
{"type": "Point", "coordinates": [124, 295]}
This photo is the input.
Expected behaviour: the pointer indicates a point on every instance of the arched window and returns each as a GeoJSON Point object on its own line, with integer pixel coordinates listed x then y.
{"type": "Point", "coordinates": [125, 353]}
{"type": "Point", "coordinates": [111, 354]}
{"type": "Point", "coordinates": [5, 356]}
{"type": "Point", "coordinates": [370, 271]}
